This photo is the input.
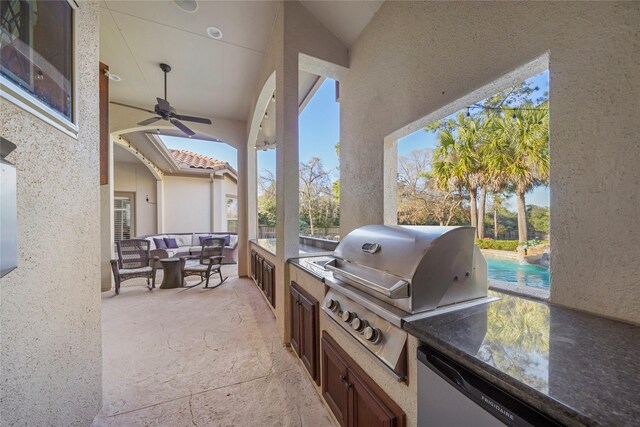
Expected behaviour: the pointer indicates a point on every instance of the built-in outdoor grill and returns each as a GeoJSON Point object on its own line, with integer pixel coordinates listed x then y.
{"type": "Point", "coordinates": [384, 275]}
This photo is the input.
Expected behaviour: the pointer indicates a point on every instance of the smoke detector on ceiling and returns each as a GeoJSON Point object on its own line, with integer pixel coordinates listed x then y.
{"type": "Point", "coordinates": [189, 6]}
{"type": "Point", "coordinates": [214, 33]}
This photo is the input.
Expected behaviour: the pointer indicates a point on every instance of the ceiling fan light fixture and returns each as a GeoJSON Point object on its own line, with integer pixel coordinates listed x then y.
{"type": "Point", "coordinates": [189, 6]}
{"type": "Point", "coordinates": [214, 33]}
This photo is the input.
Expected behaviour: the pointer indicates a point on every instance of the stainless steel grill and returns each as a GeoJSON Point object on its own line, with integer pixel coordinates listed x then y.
{"type": "Point", "coordinates": [413, 268]}
{"type": "Point", "coordinates": [380, 276]}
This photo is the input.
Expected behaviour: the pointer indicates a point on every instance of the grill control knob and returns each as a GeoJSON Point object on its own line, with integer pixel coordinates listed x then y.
{"type": "Point", "coordinates": [348, 316]}
{"type": "Point", "coordinates": [332, 305]}
{"type": "Point", "coordinates": [372, 334]}
{"type": "Point", "coordinates": [359, 324]}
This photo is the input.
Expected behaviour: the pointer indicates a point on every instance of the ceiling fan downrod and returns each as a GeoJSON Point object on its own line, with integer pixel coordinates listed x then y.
{"type": "Point", "coordinates": [165, 68]}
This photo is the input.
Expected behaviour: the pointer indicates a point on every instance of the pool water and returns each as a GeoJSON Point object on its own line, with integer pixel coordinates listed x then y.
{"type": "Point", "coordinates": [507, 270]}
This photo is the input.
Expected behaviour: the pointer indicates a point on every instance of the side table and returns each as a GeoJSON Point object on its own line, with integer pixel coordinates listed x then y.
{"type": "Point", "coordinates": [172, 277]}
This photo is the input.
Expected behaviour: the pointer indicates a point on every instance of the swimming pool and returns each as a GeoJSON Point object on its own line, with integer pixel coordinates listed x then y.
{"type": "Point", "coordinates": [507, 270]}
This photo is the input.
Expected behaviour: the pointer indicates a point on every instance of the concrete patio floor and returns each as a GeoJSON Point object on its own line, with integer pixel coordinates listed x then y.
{"type": "Point", "coordinates": [195, 357]}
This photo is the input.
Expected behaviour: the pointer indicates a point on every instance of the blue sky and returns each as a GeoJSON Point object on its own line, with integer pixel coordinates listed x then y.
{"type": "Point", "coordinates": [318, 132]}
{"type": "Point", "coordinates": [217, 150]}
{"type": "Point", "coordinates": [421, 139]}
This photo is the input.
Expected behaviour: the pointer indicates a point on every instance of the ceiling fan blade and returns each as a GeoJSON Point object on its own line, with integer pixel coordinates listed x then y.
{"type": "Point", "coordinates": [193, 119]}
{"type": "Point", "coordinates": [149, 121]}
{"type": "Point", "coordinates": [131, 106]}
{"type": "Point", "coordinates": [182, 127]}
{"type": "Point", "coordinates": [163, 104]}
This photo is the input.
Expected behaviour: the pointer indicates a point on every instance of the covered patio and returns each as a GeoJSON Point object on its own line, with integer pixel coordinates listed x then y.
{"type": "Point", "coordinates": [180, 357]}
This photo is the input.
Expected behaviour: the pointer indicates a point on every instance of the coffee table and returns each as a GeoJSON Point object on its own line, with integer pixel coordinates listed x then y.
{"type": "Point", "coordinates": [172, 277]}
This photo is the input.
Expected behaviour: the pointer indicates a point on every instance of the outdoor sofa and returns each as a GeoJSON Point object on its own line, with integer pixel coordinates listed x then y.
{"type": "Point", "coordinates": [189, 244]}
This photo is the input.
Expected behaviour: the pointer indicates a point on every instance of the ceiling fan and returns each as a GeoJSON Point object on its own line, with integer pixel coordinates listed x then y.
{"type": "Point", "coordinates": [164, 111]}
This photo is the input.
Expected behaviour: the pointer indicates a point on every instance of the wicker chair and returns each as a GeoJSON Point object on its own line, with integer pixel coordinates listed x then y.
{"type": "Point", "coordinates": [133, 261]}
{"type": "Point", "coordinates": [209, 261]}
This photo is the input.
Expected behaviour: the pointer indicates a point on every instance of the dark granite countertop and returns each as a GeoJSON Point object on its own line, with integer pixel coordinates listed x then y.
{"type": "Point", "coordinates": [578, 368]}
{"type": "Point", "coordinates": [307, 264]}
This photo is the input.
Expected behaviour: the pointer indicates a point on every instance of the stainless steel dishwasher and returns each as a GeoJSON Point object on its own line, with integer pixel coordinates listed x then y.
{"type": "Point", "coordinates": [449, 395]}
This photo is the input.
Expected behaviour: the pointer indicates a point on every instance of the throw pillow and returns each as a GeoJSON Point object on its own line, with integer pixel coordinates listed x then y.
{"type": "Point", "coordinates": [159, 241]}
{"type": "Point", "coordinates": [226, 237]}
{"type": "Point", "coordinates": [203, 238]}
{"type": "Point", "coordinates": [171, 243]}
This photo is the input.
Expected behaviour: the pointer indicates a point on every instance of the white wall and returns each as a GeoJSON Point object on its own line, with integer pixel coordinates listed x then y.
{"type": "Point", "coordinates": [50, 359]}
{"type": "Point", "coordinates": [414, 58]}
{"type": "Point", "coordinates": [187, 204]}
{"type": "Point", "coordinates": [136, 178]}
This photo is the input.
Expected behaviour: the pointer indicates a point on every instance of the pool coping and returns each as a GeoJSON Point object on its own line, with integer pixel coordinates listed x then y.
{"type": "Point", "coordinates": [519, 290]}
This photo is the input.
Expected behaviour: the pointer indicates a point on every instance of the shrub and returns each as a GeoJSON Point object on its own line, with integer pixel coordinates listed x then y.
{"type": "Point", "coordinates": [501, 245]}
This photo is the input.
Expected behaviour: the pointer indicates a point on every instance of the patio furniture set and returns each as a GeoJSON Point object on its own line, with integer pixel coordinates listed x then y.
{"type": "Point", "coordinates": [136, 259]}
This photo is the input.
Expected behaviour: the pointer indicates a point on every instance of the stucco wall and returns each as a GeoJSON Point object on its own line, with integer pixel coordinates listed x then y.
{"type": "Point", "coordinates": [187, 204]}
{"type": "Point", "coordinates": [51, 369]}
{"type": "Point", "coordinates": [415, 58]}
{"type": "Point", "coordinates": [136, 178]}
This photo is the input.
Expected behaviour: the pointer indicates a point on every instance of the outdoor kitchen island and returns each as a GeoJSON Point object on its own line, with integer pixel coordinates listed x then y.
{"type": "Point", "coordinates": [576, 368]}
{"type": "Point", "coordinates": [346, 310]}
{"type": "Point", "coordinates": [329, 354]}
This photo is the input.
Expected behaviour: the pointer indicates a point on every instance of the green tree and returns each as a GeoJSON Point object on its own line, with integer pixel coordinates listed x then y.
{"type": "Point", "coordinates": [456, 163]}
{"type": "Point", "coordinates": [538, 218]}
{"type": "Point", "coordinates": [520, 154]}
{"type": "Point", "coordinates": [267, 199]}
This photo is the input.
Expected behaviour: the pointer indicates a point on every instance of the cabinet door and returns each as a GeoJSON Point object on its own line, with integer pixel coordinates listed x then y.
{"type": "Point", "coordinates": [269, 278]}
{"type": "Point", "coordinates": [259, 271]}
{"type": "Point", "coordinates": [334, 382]}
{"type": "Point", "coordinates": [295, 320]}
{"type": "Point", "coordinates": [253, 264]}
{"type": "Point", "coordinates": [309, 334]}
{"type": "Point", "coordinates": [266, 284]}
{"type": "Point", "coordinates": [366, 408]}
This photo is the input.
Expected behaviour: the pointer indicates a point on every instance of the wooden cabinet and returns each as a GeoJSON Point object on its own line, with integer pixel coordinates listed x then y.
{"type": "Point", "coordinates": [304, 326]}
{"type": "Point", "coordinates": [334, 376]}
{"type": "Point", "coordinates": [259, 260]}
{"type": "Point", "coordinates": [253, 264]}
{"type": "Point", "coordinates": [263, 273]}
{"type": "Point", "coordinates": [269, 282]}
{"type": "Point", "coordinates": [352, 396]}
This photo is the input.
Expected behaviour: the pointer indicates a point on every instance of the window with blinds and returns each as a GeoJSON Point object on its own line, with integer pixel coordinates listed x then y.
{"type": "Point", "coordinates": [123, 215]}
{"type": "Point", "coordinates": [232, 214]}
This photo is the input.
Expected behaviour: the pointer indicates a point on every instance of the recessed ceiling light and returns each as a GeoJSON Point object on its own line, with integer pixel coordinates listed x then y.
{"type": "Point", "coordinates": [115, 77]}
{"type": "Point", "coordinates": [187, 5]}
{"type": "Point", "coordinates": [214, 33]}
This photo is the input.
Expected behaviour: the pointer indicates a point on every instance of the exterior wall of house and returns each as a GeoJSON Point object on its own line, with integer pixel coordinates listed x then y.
{"type": "Point", "coordinates": [415, 58]}
{"type": "Point", "coordinates": [190, 201]}
{"type": "Point", "coordinates": [51, 363]}
{"type": "Point", "coordinates": [136, 178]}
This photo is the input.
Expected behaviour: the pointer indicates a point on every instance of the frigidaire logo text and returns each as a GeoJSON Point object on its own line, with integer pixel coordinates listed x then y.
{"type": "Point", "coordinates": [497, 407]}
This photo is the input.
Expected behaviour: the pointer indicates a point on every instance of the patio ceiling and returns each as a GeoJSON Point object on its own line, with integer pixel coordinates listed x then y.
{"type": "Point", "coordinates": [211, 78]}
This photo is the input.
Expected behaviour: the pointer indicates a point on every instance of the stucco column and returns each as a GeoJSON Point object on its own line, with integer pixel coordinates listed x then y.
{"type": "Point", "coordinates": [160, 205]}
{"type": "Point", "coordinates": [246, 158]}
{"type": "Point", "coordinates": [106, 227]}
{"type": "Point", "coordinates": [287, 174]}
{"type": "Point", "coordinates": [212, 219]}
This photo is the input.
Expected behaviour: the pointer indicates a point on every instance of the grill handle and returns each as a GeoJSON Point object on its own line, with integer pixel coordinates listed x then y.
{"type": "Point", "coordinates": [399, 290]}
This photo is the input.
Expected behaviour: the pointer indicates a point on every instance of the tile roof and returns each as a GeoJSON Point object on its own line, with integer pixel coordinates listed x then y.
{"type": "Point", "coordinates": [187, 159]}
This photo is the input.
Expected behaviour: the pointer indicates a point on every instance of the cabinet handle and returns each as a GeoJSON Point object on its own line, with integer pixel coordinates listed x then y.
{"type": "Point", "coordinates": [344, 382]}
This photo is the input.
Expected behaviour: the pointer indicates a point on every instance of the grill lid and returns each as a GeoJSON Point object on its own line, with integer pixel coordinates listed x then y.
{"type": "Point", "coordinates": [395, 249]}
{"type": "Point", "coordinates": [399, 262]}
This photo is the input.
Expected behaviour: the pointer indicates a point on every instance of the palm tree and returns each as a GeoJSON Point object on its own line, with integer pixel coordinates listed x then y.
{"type": "Point", "coordinates": [456, 162]}
{"type": "Point", "coordinates": [519, 153]}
